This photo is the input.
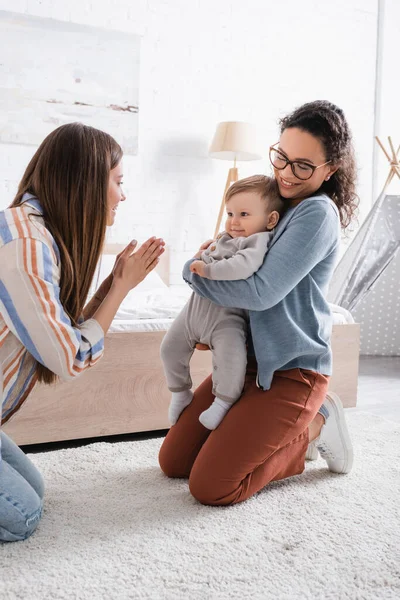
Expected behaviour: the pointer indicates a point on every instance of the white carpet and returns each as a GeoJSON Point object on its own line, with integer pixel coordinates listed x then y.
{"type": "Point", "coordinates": [116, 528]}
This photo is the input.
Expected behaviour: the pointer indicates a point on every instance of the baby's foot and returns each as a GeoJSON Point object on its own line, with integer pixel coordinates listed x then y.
{"type": "Point", "coordinates": [179, 401]}
{"type": "Point", "coordinates": [213, 416]}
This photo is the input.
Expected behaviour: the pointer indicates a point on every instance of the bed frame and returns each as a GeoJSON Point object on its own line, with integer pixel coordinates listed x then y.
{"type": "Point", "coordinates": [127, 393]}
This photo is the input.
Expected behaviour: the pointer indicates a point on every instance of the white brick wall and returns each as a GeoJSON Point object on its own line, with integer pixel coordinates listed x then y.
{"type": "Point", "coordinates": [202, 62]}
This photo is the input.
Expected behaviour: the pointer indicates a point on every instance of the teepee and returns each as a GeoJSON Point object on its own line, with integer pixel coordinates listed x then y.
{"type": "Point", "coordinates": [367, 279]}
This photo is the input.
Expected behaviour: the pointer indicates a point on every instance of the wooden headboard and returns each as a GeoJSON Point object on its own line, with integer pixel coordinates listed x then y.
{"type": "Point", "coordinates": [162, 268]}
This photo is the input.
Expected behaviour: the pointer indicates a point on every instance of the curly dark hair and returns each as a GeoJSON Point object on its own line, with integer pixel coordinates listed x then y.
{"type": "Point", "coordinates": [327, 122]}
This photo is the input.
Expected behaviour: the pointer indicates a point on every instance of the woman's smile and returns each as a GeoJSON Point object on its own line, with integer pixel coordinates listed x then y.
{"type": "Point", "coordinates": [286, 184]}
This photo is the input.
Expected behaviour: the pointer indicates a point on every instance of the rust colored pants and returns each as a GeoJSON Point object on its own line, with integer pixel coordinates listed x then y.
{"type": "Point", "coordinates": [263, 437]}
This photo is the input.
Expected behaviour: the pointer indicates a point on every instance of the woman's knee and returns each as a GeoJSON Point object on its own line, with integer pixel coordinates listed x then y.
{"type": "Point", "coordinates": [39, 485]}
{"type": "Point", "coordinates": [20, 505]}
{"type": "Point", "coordinates": [170, 462]}
{"type": "Point", "coordinates": [166, 465]}
{"type": "Point", "coordinates": [21, 463]}
{"type": "Point", "coordinates": [17, 521]}
{"type": "Point", "coordinates": [207, 492]}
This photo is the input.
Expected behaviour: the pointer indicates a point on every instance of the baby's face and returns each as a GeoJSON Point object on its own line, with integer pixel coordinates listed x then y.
{"type": "Point", "coordinates": [247, 213]}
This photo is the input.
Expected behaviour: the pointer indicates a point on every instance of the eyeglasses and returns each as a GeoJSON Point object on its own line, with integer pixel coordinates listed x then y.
{"type": "Point", "coordinates": [301, 170]}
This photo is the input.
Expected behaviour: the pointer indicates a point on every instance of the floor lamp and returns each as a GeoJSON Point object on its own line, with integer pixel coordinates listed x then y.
{"type": "Point", "coordinates": [233, 140]}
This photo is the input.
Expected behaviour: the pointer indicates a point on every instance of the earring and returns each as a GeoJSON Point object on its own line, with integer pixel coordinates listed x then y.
{"type": "Point", "coordinates": [327, 178]}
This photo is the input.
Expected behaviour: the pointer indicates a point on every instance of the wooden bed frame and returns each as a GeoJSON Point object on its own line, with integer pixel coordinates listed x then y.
{"type": "Point", "coordinates": [126, 392]}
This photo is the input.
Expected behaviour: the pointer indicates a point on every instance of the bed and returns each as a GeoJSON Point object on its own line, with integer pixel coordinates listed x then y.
{"type": "Point", "coordinates": [126, 392]}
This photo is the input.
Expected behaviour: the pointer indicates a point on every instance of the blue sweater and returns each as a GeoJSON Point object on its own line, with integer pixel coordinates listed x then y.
{"type": "Point", "coordinates": [290, 319]}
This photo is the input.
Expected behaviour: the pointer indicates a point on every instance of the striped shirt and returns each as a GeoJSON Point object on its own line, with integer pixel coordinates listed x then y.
{"type": "Point", "coordinates": [33, 324]}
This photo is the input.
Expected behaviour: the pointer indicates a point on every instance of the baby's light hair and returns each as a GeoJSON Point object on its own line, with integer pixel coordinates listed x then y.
{"type": "Point", "coordinates": [267, 187]}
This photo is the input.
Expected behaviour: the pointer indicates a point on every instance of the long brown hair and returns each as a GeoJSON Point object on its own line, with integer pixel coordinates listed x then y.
{"type": "Point", "coordinates": [327, 122]}
{"type": "Point", "coordinates": [69, 174]}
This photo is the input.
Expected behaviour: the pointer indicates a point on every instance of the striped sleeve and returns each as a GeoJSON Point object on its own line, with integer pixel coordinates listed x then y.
{"type": "Point", "coordinates": [31, 307]}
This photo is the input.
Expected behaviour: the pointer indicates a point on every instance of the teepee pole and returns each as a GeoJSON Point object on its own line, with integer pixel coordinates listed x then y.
{"type": "Point", "coordinates": [392, 149]}
{"type": "Point", "coordinates": [393, 161]}
{"type": "Point", "coordinates": [397, 160]}
{"type": "Point", "coordinates": [383, 148]}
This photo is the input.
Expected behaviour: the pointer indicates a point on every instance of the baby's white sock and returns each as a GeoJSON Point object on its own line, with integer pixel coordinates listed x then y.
{"type": "Point", "coordinates": [179, 401]}
{"type": "Point", "coordinates": [213, 416]}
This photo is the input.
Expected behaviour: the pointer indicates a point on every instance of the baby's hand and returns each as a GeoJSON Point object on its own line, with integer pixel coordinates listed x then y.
{"type": "Point", "coordinates": [198, 267]}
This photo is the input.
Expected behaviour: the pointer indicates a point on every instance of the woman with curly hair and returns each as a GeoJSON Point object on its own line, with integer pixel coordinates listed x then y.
{"type": "Point", "coordinates": [284, 405]}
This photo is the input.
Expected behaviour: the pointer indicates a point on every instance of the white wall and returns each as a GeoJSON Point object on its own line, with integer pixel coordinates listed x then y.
{"type": "Point", "coordinates": [202, 62]}
{"type": "Point", "coordinates": [388, 92]}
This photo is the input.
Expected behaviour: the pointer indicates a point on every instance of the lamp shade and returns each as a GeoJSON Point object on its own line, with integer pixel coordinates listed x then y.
{"type": "Point", "coordinates": [235, 140]}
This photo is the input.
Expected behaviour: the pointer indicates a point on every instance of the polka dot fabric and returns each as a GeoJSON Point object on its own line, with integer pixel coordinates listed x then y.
{"type": "Point", "coordinates": [367, 280]}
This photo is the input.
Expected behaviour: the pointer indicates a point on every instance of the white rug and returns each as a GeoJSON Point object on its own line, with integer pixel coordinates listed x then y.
{"type": "Point", "coordinates": [116, 528]}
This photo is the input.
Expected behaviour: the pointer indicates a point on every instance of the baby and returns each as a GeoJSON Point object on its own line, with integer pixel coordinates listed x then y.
{"type": "Point", "coordinates": [253, 207]}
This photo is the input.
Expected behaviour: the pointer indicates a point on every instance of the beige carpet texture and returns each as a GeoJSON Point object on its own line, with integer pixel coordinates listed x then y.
{"type": "Point", "coordinates": [115, 527]}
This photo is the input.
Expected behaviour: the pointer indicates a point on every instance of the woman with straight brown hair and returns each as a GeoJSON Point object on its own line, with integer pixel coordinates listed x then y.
{"type": "Point", "coordinates": [51, 238]}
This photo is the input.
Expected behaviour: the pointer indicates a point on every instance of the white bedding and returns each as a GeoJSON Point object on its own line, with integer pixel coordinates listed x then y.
{"type": "Point", "coordinates": [152, 305]}
{"type": "Point", "coordinates": [162, 324]}
{"type": "Point", "coordinates": [160, 303]}
{"type": "Point", "coordinates": [139, 325]}
{"type": "Point", "coordinates": [155, 309]}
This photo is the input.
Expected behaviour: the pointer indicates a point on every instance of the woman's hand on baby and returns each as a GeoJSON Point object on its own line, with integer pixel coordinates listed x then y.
{"type": "Point", "coordinates": [132, 267]}
{"type": "Point", "coordinates": [203, 247]}
{"type": "Point", "coordinates": [198, 267]}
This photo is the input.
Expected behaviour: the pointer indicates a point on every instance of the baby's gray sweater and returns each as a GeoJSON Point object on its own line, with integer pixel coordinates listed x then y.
{"type": "Point", "coordinates": [290, 319]}
{"type": "Point", "coordinates": [231, 258]}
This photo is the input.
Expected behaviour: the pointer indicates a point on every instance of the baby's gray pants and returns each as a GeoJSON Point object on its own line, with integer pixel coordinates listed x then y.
{"type": "Point", "coordinates": [224, 330]}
